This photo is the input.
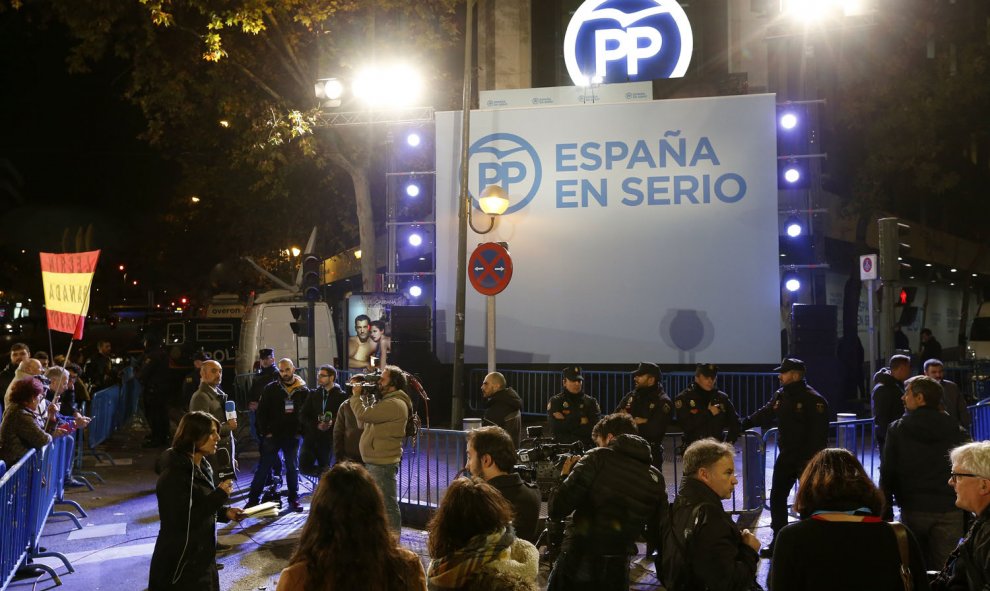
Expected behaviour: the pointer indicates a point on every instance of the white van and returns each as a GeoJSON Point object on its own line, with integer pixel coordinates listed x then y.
{"type": "Point", "coordinates": [267, 325]}
{"type": "Point", "coordinates": [978, 346]}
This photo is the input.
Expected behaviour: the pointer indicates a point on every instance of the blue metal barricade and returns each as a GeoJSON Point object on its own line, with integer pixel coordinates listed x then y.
{"type": "Point", "coordinates": [43, 500]}
{"type": "Point", "coordinates": [62, 457]}
{"type": "Point", "coordinates": [104, 407]}
{"type": "Point", "coordinates": [16, 492]}
{"type": "Point", "coordinates": [980, 429]}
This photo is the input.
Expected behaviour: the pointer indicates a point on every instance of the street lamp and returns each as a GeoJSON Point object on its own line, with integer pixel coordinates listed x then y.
{"type": "Point", "coordinates": [493, 201]}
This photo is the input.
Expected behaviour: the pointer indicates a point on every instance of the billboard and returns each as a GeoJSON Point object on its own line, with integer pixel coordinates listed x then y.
{"type": "Point", "coordinates": [639, 232]}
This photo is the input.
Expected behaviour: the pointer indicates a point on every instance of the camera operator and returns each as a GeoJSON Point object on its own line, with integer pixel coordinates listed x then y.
{"type": "Point", "coordinates": [491, 455]}
{"type": "Point", "coordinates": [613, 491]}
{"type": "Point", "coordinates": [572, 413]}
{"type": "Point", "coordinates": [384, 424]}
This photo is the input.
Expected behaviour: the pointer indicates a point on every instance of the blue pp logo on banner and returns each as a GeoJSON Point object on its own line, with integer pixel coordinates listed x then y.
{"type": "Point", "coordinates": [627, 41]}
{"type": "Point", "coordinates": [507, 160]}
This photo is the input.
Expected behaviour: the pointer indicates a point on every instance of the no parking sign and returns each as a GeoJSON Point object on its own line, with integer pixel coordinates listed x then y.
{"type": "Point", "coordinates": [490, 268]}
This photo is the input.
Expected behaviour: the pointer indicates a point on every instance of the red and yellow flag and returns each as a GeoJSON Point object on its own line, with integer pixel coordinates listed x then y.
{"type": "Point", "coordinates": [67, 279]}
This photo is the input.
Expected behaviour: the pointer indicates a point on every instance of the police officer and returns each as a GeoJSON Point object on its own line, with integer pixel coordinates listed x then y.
{"type": "Point", "coordinates": [802, 419]}
{"type": "Point", "coordinates": [650, 408]}
{"type": "Point", "coordinates": [572, 414]}
{"type": "Point", "coordinates": [266, 373]}
{"type": "Point", "coordinates": [704, 411]}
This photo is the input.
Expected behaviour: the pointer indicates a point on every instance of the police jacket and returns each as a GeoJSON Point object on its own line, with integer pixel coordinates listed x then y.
{"type": "Point", "coordinates": [279, 407]}
{"type": "Point", "coordinates": [653, 404]}
{"type": "Point", "coordinates": [698, 422]}
{"type": "Point", "coordinates": [802, 418]}
{"type": "Point", "coordinates": [613, 491]}
{"type": "Point", "coordinates": [154, 374]}
{"type": "Point", "coordinates": [915, 465]}
{"type": "Point", "coordinates": [573, 407]}
{"type": "Point", "coordinates": [320, 402]}
{"type": "Point", "coordinates": [968, 567]}
{"type": "Point", "coordinates": [703, 549]}
{"type": "Point", "coordinates": [887, 403]}
{"type": "Point", "coordinates": [525, 501]}
{"type": "Point", "coordinates": [503, 409]}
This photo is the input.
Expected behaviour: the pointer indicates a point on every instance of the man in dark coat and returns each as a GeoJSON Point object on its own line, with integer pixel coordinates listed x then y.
{"type": "Point", "coordinates": [914, 470]}
{"type": "Point", "coordinates": [491, 455]}
{"type": "Point", "coordinates": [650, 408]}
{"type": "Point", "coordinates": [613, 491]}
{"type": "Point", "coordinates": [703, 547]}
{"type": "Point", "coordinates": [953, 401]}
{"type": "Point", "coordinates": [930, 347]}
{"type": "Point", "coordinates": [703, 411]}
{"type": "Point", "coordinates": [154, 377]}
{"type": "Point", "coordinates": [572, 414]}
{"type": "Point", "coordinates": [802, 417]}
{"type": "Point", "coordinates": [888, 389]}
{"type": "Point", "coordinates": [264, 375]}
{"type": "Point", "coordinates": [317, 417]}
{"type": "Point", "coordinates": [503, 407]}
{"type": "Point", "coordinates": [18, 352]}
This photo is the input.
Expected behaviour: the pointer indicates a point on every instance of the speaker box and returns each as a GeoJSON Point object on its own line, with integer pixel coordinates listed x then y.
{"type": "Point", "coordinates": [411, 323]}
{"type": "Point", "coordinates": [812, 317]}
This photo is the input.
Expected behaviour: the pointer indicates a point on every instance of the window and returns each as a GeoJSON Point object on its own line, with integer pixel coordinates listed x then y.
{"type": "Point", "coordinates": [214, 333]}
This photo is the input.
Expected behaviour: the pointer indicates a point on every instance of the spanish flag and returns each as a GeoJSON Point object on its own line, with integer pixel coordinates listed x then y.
{"type": "Point", "coordinates": [67, 279]}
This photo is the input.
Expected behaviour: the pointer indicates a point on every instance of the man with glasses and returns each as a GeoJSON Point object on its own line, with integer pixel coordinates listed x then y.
{"type": "Point", "coordinates": [968, 567]}
{"type": "Point", "coordinates": [318, 414]}
{"type": "Point", "coordinates": [913, 469]}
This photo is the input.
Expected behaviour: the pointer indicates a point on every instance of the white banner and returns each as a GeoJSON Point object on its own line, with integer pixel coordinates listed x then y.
{"type": "Point", "coordinates": [638, 232]}
{"type": "Point", "coordinates": [509, 98]}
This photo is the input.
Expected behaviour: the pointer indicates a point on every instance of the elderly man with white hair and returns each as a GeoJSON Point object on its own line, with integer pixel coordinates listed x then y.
{"type": "Point", "coordinates": [968, 567]}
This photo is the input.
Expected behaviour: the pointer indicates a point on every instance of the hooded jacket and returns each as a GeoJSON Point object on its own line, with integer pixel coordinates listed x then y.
{"type": "Point", "coordinates": [915, 465]}
{"type": "Point", "coordinates": [384, 425]}
{"type": "Point", "coordinates": [503, 409]}
{"type": "Point", "coordinates": [887, 403]}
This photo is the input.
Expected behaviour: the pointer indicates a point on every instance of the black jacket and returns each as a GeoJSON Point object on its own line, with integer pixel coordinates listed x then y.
{"type": "Point", "coordinates": [915, 465]}
{"type": "Point", "coordinates": [703, 548]}
{"type": "Point", "coordinates": [653, 404]}
{"type": "Point", "coordinates": [261, 379]}
{"type": "Point", "coordinates": [318, 403]}
{"type": "Point", "coordinates": [968, 567]}
{"type": "Point", "coordinates": [613, 491]}
{"type": "Point", "coordinates": [698, 422]}
{"type": "Point", "coordinates": [198, 570]}
{"type": "Point", "coordinates": [525, 501]}
{"type": "Point", "coordinates": [802, 418]}
{"type": "Point", "coordinates": [503, 409]}
{"type": "Point", "coordinates": [574, 407]}
{"type": "Point", "coordinates": [887, 403]}
{"type": "Point", "coordinates": [274, 417]}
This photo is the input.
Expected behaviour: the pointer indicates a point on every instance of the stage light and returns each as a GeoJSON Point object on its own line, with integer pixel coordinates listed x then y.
{"type": "Point", "coordinates": [412, 190]}
{"type": "Point", "coordinates": [794, 228]}
{"type": "Point", "coordinates": [415, 291]}
{"type": "Point", "coordinates": [792, 284]}
{"type": "Point", "coordinates": [792, 174]}
{"type": "Point", "coordinates": [415, 239]}
{"type": "Point", "coordinates": [788, 120]}
{"type": "Point", "coordinates": [413, 139]}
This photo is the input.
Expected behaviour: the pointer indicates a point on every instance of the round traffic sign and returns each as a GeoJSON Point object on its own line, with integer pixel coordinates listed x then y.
{"type": "Point", "coordinates": [490, 268]}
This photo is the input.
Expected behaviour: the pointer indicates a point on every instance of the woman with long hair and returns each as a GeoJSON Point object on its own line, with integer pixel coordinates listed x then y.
{"type": "Point", "coordinates": [346, 543]}
{"type": "Point", "coordinates": [470, 534]}
{"type": "Point", "coordinates": [841, 541]}
{"type": "Point", "coordinates": [190, 504]}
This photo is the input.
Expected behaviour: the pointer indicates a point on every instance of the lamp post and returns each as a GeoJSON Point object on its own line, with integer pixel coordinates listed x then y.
{"type": "Point", "coordinates": [457, 394]}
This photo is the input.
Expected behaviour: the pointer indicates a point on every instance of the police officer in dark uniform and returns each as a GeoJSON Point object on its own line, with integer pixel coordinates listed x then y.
{"type": "Point", "coordinates": [266, 373]}
{"type": "Point", "coordinates": [650, 408]}
{"type": "Point", "coordinates": [802, 419]}
{"type": "Point", "coordinates": [572, 414]}
{"type": "Point", "coordinates": [154, 378]}
{"type": "Point", "coordinates": [704, 411]}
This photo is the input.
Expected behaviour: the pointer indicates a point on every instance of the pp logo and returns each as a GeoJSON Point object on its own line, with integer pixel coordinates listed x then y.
{"type": "Point", "coordinates": [627, 41]}
{"type": "Point", "coordinates": [510, 161]}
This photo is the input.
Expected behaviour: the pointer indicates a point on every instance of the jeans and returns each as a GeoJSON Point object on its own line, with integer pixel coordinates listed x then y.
{"type": "Point", "coordinates": [270, 446]}
{"type": "Point", "coordinates": [937, 533]}
{"type": "Point", "coordinates": [386, 477]}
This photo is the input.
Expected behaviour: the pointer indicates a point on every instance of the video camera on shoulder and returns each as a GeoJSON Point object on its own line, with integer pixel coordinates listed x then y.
{"type": "Point", "coordinates": [370, 382]}
{"type": "Point", "coordinates": [541, 459]}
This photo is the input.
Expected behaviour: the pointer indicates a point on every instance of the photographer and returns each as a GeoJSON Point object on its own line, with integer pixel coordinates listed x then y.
{"type": "Point", "coordinates": [613, 491]}
{"type": "Point", "coordinates": [384, 424]}
{"type": "Point", "coordinates": [491, 456]}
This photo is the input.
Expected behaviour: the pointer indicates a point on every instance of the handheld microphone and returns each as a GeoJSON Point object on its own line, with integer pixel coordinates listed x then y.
{"type": "Point", "coordinates": [228, 472]}
{"type": "Point", "coordinates": [231, 410]}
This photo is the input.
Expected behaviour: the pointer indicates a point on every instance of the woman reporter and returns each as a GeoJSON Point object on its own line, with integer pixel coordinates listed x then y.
{"type": "Point", "coordinates": [470, 536]}
{"type": "Point", "coordinates": [189, 505]}
{"type": "Point", "coordinates": [841, 541]}
{"type": "Point", "coordinates": [19, 430]}
{"type": "Point", "coordinates": [346, 543]}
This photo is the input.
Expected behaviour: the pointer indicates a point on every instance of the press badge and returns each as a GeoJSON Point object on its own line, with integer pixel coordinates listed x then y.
{"type": "Point", "coordinates": [289, 407]}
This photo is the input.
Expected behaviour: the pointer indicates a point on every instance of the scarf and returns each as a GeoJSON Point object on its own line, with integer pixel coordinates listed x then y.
{"type": "Point", "coordinates": [454, 570]}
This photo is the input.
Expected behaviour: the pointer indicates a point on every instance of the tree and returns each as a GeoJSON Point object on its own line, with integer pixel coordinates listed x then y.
{"type": "Point", "coordinates": [226, 88]}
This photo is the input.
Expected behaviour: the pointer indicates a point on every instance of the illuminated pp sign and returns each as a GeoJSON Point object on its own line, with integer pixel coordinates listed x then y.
{"type": "Point", "coordinates": [507, 160]}
{"type": "Point", "coordinates": [627, 41]}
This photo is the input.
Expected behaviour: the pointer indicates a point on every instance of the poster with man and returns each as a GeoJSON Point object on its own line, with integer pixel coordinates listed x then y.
{"type": "Point", "coordinates": [368, 333]}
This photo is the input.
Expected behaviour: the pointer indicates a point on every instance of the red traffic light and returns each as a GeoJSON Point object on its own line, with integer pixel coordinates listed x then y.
{"type": "Point", "coordinates": [184, 301]}
{"type": "Point", "coordinates": [903, 297]}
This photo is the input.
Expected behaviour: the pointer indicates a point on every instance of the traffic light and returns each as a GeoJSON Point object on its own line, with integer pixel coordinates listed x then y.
{"type": "Point", "coordinates": [311, 279]}
{"type": "Point", "coordinates": [892, 238]}
{"type": "Point", "coordinates": [300, 326]}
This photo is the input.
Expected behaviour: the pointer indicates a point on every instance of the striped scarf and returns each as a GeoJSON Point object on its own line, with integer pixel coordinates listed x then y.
{"type": "Point", "coordinates": [454, 570]}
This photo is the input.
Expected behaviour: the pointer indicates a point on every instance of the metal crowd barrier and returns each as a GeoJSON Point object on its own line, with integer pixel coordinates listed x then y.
{"type": "Point", "coordinates": [748, 391]}
{"type": "Point", "coordinates": [438, 456]}
{"type": "Point", "coordinates": [980, 428]}
{"type": "Point", "coordinates": [15, 515]}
